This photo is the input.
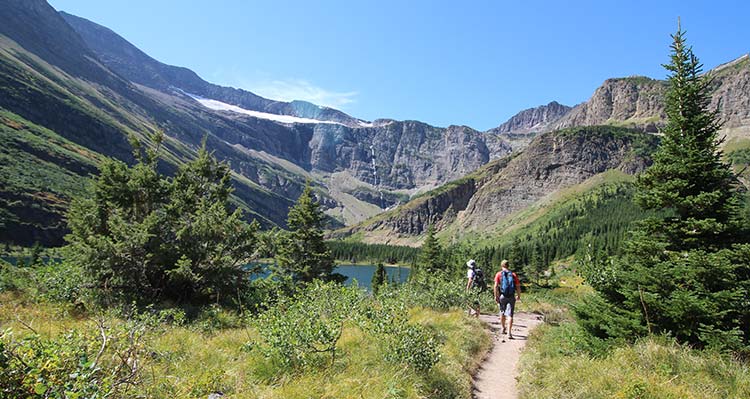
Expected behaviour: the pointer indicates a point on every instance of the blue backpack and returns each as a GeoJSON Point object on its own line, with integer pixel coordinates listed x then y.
{"type": "Point", "coordinates": [508, 284]}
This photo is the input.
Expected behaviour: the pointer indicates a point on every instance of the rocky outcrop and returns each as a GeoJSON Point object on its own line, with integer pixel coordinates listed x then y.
{"type": "Point", "coordinates": [533, 120]}
{"type": "Point", "coordinates": [552, 162]}
{"type": "Point", "coordinates": [406, 154]}
{"type": "Point", "coordinates": [638, 101]}
{"type": "Point", "coordinates": [635, 101]}
{"type": "Point", "coordinates": [731, 92]}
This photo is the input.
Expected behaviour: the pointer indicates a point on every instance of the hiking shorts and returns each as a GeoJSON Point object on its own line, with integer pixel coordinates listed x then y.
{"type": "Point", "coordinates": [507, 305]}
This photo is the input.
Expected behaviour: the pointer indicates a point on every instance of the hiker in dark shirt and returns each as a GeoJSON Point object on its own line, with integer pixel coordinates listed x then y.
{"type": "Point", "coordinates": [475, 285]}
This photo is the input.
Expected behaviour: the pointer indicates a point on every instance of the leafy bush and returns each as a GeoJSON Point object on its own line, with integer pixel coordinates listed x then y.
{"type": "Point", "coordinates": [13, 278]}
{"type": "Point", "coordinates": [101, 362]}
{"type": "Point", "coordinates": [303, 331]}
{"type": "Point", "coordinates": [298, 331]}
{"type": "Point", "coordinates": [436, 291]}
{"type": "Point", "coordinates": [61, 282]}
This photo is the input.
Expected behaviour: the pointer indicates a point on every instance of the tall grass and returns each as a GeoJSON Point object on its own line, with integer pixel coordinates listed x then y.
{"type": "Point", "coordinates": [563, 361]}
{"type": "Point", "coordinates": [197, 358]}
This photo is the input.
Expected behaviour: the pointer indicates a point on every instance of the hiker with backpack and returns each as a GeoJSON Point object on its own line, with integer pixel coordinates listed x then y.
{"type": "Point", "coordinates": [475, 285]}
{"type": "Point", "coordinates": [507, 290]}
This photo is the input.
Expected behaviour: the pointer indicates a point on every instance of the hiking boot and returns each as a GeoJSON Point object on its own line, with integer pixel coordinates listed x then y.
{"type": "Point", "coordinates": [504, 331]}
{"type": "Point", "coordinates": [510, 336]}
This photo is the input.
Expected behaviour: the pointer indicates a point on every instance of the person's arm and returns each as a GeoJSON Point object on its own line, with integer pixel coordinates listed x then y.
{"type": "Point", "coordinates": [518, 286]}
{"type": "Point", "coordinates": [469, 279]}
{"type": "Point", "coordinates": [494, 290]}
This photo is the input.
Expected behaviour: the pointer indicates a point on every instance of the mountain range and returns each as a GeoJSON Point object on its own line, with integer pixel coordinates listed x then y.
{"type": "Point", "coordinates": [73, 92]}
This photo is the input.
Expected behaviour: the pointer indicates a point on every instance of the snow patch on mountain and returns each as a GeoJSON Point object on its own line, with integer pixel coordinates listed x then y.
{"type": "Point", "coordinates": [222, 106]}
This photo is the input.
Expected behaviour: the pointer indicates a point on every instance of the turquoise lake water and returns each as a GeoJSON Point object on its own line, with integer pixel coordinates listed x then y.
{"type": "Point", "coordinates": [363, 274]}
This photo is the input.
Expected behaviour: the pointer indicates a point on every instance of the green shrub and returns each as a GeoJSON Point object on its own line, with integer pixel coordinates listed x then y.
{"type": "Point", "coordinates": [303, 332]}
{"type": "Point", "coordinates": [99, 362]}
{"type": "Point", "coordinates": [298, 332]}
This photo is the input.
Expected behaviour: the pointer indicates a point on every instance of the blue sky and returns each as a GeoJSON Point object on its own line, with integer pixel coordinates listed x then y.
{"type": "Point", "coordinates": [474, 62]}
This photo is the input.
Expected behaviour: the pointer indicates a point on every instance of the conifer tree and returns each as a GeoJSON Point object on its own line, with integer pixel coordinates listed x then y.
{"type": "Point", "coordinates": [431, 258]}
{"type": "Point", "coordinates": [143, 236]}
{"type": "Point", "coordinates": [515, 257]}
{"type": "Point", "coordinates": [302, 252]}
{"type": "Point", "coordinates": [378, 278]}
{"type": "Point", "coordinates": [685, 270]}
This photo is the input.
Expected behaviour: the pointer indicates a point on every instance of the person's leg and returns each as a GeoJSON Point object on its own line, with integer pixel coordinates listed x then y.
{"type": "Point", "coordinates": [503, 307]}
{"type": "Point", "coordinates": [512, 305]}
{"type": "Point", "coordinates": [510, 327]}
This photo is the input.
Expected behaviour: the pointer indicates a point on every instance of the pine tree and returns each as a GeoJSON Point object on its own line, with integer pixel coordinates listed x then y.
{"type": "Point", "coordinates": [302, 252]}
{"type": "Point", "coordinates": [431, 258]}
{"type": "Point", "coordinates": [688, 177]}
{"type": "Point", "coordinates": [515, 257]}
{"type": "Point", "coordinates": [683, 271]}
{"type": "Point", "coordinates": [145, 237]}
{"type": "Point", "coordinates": [378, 278]}
{"type": "Point", "coordinates": [537, 265]}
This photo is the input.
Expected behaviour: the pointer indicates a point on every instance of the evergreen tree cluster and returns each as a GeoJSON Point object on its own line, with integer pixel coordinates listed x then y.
{"type": "Point", "coordinates": [145, 236]}
{"type": "Point", "coordinates": [354, 252]}
{"type": "Point", "coordinates": [599, 219]}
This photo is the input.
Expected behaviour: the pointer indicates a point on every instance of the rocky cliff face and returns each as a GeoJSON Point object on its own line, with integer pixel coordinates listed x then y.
{"type": "Point", "coordinates": [634, 101]}
{"type": "Point", "coordinates": [638, 102]}
{"type": "Point", "coordinates": [731, 92]}
{"type": "Point", "coordinates": [533, 120]}
{"type": "Point", "coordinates": [406, 154]}
{"type": "Point", "coordinates": [552, 162]}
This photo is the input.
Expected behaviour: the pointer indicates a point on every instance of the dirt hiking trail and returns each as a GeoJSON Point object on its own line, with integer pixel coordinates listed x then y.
{"type": "Point", "coordinates": [496, 377]}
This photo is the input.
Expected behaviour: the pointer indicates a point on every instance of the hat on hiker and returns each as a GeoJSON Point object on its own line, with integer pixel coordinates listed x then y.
{"type": "Point", "coordinates": [471, 264]}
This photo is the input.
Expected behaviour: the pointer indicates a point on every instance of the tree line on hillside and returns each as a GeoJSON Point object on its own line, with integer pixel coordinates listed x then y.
{"type": "Point", "coordinates": [349, 251]}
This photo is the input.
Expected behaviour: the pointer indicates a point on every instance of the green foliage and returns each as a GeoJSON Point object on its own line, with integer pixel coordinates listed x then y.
{"type": "Point", "coordinates": [296, 332]}
{"type": "Point", "coordinates": [360, 252]}
{"type": "Point", "coordinates": [379, 277]}
{"type": "Point", "coordinates": [536, 268]}
{"type": "Point", "coordinates": [304, 332]}
{"type": "Point", "coordinates": [431, 259]}
{"type": "Point", "coordinates": [95, 363]}
{"type": "Point", "coordinates": [301, 252]}
{"type": "Point", "coordinates": [684, 270]}
{"type": "Point", "coordinates": [142, 235]}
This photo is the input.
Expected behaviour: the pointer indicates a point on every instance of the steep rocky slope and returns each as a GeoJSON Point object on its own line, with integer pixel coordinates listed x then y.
{"type": "Point", "coordinates": [481, 200]}
{"type": "Point", "coordinates": [138, 67]}
{"type": "Point", "coordinates": [532, 120]}
{"type": "Point", "coordinates": [94, 89]}
{"type": "Point", "coordinates": [639, 101]}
